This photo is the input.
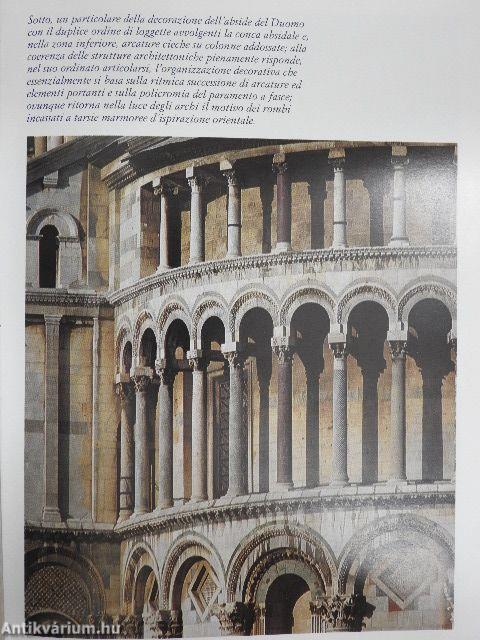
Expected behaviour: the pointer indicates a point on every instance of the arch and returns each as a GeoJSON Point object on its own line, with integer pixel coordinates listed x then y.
{"type": "Point", "coordinates": [140, 556]}
{"type": "Point", "coordinates": [206, 306]}
{"type": "Point", "coordinates": [438, 290]}
{"type": "Point", "coordinates": [249, 298]}
{"type": "Point", "coordinates": [175, 308]}
{"type": "Point", "coordinates": [186, 548]}
{"type": "Point", "coordinates": [286, 538]}
{"type": "Point", "coordinates": [83, 591]}
{"type": "Point", "coordinates": [67, 225]}
{"type": "Point", "coordinates": [388, 530]}
{"type": "Point", "coordinates": [304, 294]}
{"type": "Point", "coordinates": [144, 321]}
{"type": "Point", "coordinates": [124, 335]}
{"type": "Point", "coordinates": [367, 292]}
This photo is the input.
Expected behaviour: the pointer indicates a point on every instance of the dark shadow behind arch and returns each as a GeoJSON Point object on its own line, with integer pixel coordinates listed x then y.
{"type": "Point", "coordinates": [48, 257]}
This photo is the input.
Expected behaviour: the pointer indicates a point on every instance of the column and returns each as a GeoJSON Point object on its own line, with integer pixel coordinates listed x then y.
{"type": "Point", "coordinates": [125, 393]}
{"type": "Point", "coordinates": [264, 372]}
{"type": "Point", "coordinates": [199, 425]}
{"type": "Point", "coordinates": [340, 613]}
{"type": "Point", "coordinates": [337, 160]}
{"type": "Point", "coordinates": [235, 618]}
{"type": "Point", "coordinates": [165, 437]}
{"type": "Point", "coordinates": [40, 143]}
{"type": "Point", "coordinates": [237, 436]}
{"type": "Point", "coordinates": [142, 383]}
{"type": "Point", "coordinates": [197, 217]}
{"type": "Point", "coordinates": [399, 230]}
{"type": "Point", "coordinates": [51, 511]}
{"type": "Point", "coordinates": [312, 375]}
{"type": "Point", "coordinates": [284, 204]}
{"type": "Point", "coordinates": [234, 212]}
{"type": "Point", "coordinates": [165, 192]}
{"type": "Point", "coordinates": [284, 352]}
{"type": "Point", "coordinates": [54, 141]}
{"type": "Point", "coordinates": [339, 444]}
{"type": "Point", "coordinates": [398, 350]}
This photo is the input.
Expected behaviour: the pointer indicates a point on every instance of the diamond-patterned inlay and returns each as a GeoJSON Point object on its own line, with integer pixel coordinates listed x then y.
{"type": "Point", "coordinates": [204, 590]}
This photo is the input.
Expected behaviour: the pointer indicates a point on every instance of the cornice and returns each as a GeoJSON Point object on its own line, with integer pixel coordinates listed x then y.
{"type": "Point", "coordinates": [99, 149]}
{"type": "Point", "coordinates": [60, 298]}
{"type": "Point", "coordinates": [255, 506]}
{"type": "Point", "coordinates": [383, 257]}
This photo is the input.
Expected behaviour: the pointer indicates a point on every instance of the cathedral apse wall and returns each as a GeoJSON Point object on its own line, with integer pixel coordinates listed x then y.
{"type": "Point", "coordinates": [240, 385]}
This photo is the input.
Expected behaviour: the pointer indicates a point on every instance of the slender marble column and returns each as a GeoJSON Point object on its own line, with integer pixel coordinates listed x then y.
{"type": "Point", "coordinates": [284, 207]}
{"type": "Point", "coordinates": [234, 215]}
{"type": "Point", "coordinates": [284, 354]}
{"type": "Point", "coordinates": [237, 437]}
{"type": "Point", "coordinates": [339, 203]}
{"type": "Point", "coordinates": [197, 218]}
{"type": "Point", "coordinates": [142, 471]}
{"type": "Point", "coordinates": [165, 192]}
{"type": "Point", "coordinates": [51, 511]}
{"type": "Point", "coordinates": [370, 375]}
{"type": "Point", "coordinates": [264, 371]}
{"type": "Point", "coordinates": [199, 426]}
{"type": "Point", "coordinates": [339, 445]}
{"type": "Point", "coordinates": [399, 231]}
{"type": "Point", "coordinates": [125, 393]}
{"type": "Point", "coordinates": [398, 349]}
{"type": "Point", "coordinates": [165, 438]}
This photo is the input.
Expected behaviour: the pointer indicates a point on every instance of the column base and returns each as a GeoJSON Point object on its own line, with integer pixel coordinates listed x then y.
{"type": "Point", "coordinates": [233, 255]}
{"type": "Point", "coordinates": [195, 499]}
{"type": "Point", "coordinates": [282, 247]}
{"type": "Point", "coordinates": [339, 483]}
{"type": "Point", "coordinates": [139, 512]}
{"type": "Point", "coordinates": [164, 504]}
{"type": "Point", "coordinates": [399, 242]}
{"type": "Point", "coordinates": [395, 481]}
{"type": "Point", "coordinates": [282, 486]}
{"type": "Point", "coordinates": [51, 515]}
{"type": "Point", "coordinates": [339, 246]}
{"type": "Point", "coordinates": [162, 268]}
{"type": "Point", "coordinates": [124, 516]}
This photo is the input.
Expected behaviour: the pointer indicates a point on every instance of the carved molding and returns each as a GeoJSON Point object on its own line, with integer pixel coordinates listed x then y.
{"type": "Point", "coordinates": [304, 294]}
{"type": "Point", "coordinates": [342, 612]}
{"type": "Point", "coordinates": [364, 290]}
{"type": "Point", "coordinates": [235, 618]}
{"type": "Point", "coordinates": [424, 289]}
{"type": "Point", "coordinates": [226, 268]}
{"type": "Point", "coordinates": [61, 298]}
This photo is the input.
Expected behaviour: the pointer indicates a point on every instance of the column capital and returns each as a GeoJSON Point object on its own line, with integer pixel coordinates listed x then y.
{"type": "Point", "coordinates": [283, 348]}
{"type": "Point", "coordinates": [399, 156]}
{"type": "Point", "coordinates": [124, 390]}
{"type": "Point", "coordinates": [336, 158]}
{"type": "Point", "coordinates": [196, 359]}
{"type": "Point", "coordinates": [196, 180]}
{"type": "Point", "coordinates": [342, 612]}
{"type": "Point", "coordinates": [279, 163]}
{"type": "Point", "coordinates": [232, 177]}
{"type": "Point", "coordinates": [398, 349]}
{"type": "Point", "coordinates": [162, 187]}
{"type": "Point", "coordinates": [338, 344]}
{"type": "Point", "coordinates": [53, 319]}
{"type": "Point", "coordinates": [142, 382]}
{"type": "Point", "coordinates": [235, 618]}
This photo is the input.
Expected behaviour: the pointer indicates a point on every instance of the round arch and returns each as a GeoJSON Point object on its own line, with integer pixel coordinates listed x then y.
{"type": "Point", "coordinates": [67, 225]}
{"type": "Point", "coordinates": [82, 591]}
{"type": "Point", "coordinates": [140, 557]}
{"type": "Point", "coordinates": [284, 538]}
{"type": "Point", "coordinates": [391, 530]}
{"type": "Point", "coordinates": [124, 335]}
{"type": "Point", "coordinates": [441, 291]}
{"type": "Point", "coordinates": [367, 292]}
{"type": "Point", "coordinates": [175, 308]}
{"type": "Point", "coordinates": [247, 299]}
{"type": "Point", "coordinates": [305, 294]}
{"type": "Point", "coordinates": [186, 549]}
{"type": "Point", "coordinates": [144, 321]}
{"type": "Point", "coordinates": [207, 306]}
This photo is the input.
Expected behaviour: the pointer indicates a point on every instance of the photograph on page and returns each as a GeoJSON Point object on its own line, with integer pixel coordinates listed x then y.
{"type": "Point", "coordinates": [240, 372]}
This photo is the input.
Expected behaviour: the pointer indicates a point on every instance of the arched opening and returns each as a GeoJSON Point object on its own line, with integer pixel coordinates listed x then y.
{"type": "Point", "coordinates": [310, 325]}
{"type": "Point", "coordinates": [217, 386]}
{"type": "Point", "coordinates": [146, 591]}
{"type": "Point", "coordinates": [368, 326]}
{"type": "Point", "coordinates": [429, 325]}
{"type": "Point", "coordinates": [148, 349]}
{"type": "Point", "coordinates": [177, 342]}
{"type": "Point", "coordinates": [48, 257]}
{"type": "Point", "coordinates": [287, 605]}
{"type": "Point", "coordinates": [256, 331]}
{"type": "Point", "coordinates": [127, 357]}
